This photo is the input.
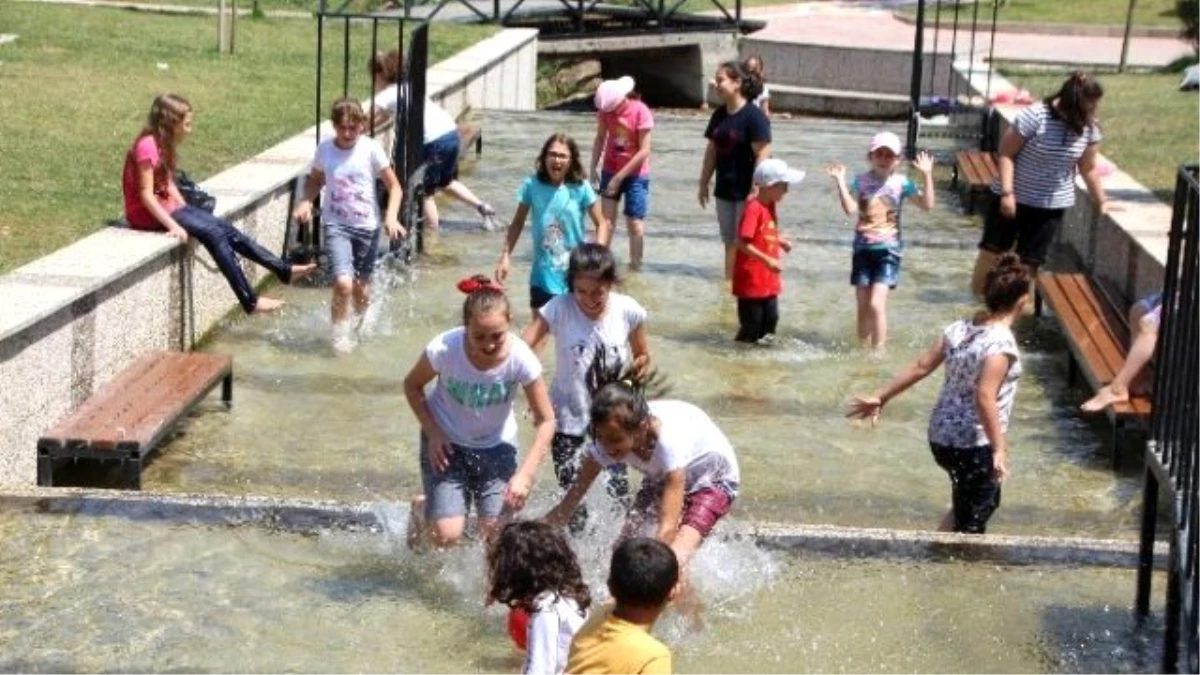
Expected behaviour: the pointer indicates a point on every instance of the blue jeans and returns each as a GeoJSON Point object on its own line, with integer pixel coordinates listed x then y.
{"type": "Point", "coordinates": [475, 475]}
{"type": "Point", "coordinates": [441, 162]}
{"type": "Point", "coordinates": [876, 266]}
{"type": "Point", "coordinates": [224, 240]}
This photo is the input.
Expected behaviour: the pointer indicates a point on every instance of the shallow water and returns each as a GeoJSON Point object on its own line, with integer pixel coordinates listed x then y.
{"type": "Point", "coordinates": [306, 423]}
{"type": "Point", "coordinates": [93, 593]}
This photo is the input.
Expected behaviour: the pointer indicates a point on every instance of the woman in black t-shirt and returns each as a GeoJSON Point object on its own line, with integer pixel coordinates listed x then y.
{"type": "Point", "coordinates": [739, 137]}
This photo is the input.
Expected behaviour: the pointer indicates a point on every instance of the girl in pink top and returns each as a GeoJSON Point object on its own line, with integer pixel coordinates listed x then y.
{"type": "Point", "coordinates": [153, 203]}
{"type": "Point", "coordinates": [623, 126]}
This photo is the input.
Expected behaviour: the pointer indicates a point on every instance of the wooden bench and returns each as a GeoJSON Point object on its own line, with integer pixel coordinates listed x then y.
{"type": "Point", "coordinates": [133, 412]}
{"type": "Point", "coordinates": [1098, 336]}
{"type": "Point", "coordinates": [979, 170]}
{"type": "Point", "coordinates": [470, 135]}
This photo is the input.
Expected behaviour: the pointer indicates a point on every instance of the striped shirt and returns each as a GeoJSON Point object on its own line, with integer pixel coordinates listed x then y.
{"type": "Point", "coordinates": [1044, 171]}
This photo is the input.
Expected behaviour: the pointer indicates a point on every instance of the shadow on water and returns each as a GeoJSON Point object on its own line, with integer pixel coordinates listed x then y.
{"type": "Point", "coordinates": [1100, 639]}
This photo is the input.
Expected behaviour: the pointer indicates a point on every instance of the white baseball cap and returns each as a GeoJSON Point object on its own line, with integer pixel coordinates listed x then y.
{"type": "Point", "coordinates": [610, 93]}
{"type": "Point", "coordinates": [772, 171]}
{"type": "Point", "coordinates": [886, 139]}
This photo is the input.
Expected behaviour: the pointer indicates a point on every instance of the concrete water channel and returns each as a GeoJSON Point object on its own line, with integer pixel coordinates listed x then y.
{"type": "Point", "coordinates": [105, 586]}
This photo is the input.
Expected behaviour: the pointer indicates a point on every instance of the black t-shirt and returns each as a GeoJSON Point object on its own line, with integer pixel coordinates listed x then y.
{"type": "Point", "coordinates": [731, 136]}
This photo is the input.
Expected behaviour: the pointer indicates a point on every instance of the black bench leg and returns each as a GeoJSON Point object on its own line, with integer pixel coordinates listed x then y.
{"type": "Point", "coordinates": [227, 391]}
{"type": "Point", "coordinates": [131, 469]}
{"type": "Point", "coordinates": [1037, 302]}
{"type": "Point", "coordinates": [45, 470]}
{"type": "Point", "coordinates": [1118, 436]}
{"type": "Point", "coordinates": [1072, 371]}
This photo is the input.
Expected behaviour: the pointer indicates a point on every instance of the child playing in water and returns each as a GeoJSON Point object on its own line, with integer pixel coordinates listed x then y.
{"type": "Point", "coordinates": [623, 130]}
{"type": "Point", "coordinates": [599, 337]}
{"type": "Point", "coordinates": [690, 472]}
{"type": "Point", "coordinates": [468, 450]}
{"type": "Point", "coordinates": [754, 65]}
{"type": "Point", "coordinates": [968, 424]}
{"type": "Point", "coordinates": [439, 147]}
{"type": "Point", "coordinates": [643, 578]}
{"type": "Point", "coordinates": [876, 196]}
{"type": "Point", "coordinates": [739, 137]}
{"type": "Point", "coordinates": [531, 567]}
{"type": "Point", "coordinates": [1144, 317]}
{"type": "Point", "coordinates": [344, 170]}
{"type": "Point", "coordinates": [558, 197]}
{"type": "Point", "coordinates": [153, 203]}
{"type": "Point", "coordinates": [758, 262]}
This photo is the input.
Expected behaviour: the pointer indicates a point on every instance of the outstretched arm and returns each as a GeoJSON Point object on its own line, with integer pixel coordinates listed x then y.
{"type": "Point", "coordinates": [561, 513]}
{"type": "Point", "coordinates": [869, 407]}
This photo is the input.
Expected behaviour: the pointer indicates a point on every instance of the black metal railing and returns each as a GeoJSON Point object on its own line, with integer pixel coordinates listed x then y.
{"type": "Point", "coordinates": [926, 93]}
{"type": "Point", "coordinates": [596, 16]}
{"type": "Point", "coordinates": [1172, 446]}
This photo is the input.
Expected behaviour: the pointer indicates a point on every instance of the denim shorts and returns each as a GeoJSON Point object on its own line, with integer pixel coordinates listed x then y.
{"type": "Point", "coordinates": [441, 161]}
{"type": "Point", "coordinates": [636, 190]}
{"type": "Point", "coordinates": [352, 250]}
{"type": "Point", "coordinates": [475, 475]}
{"type": "Point", "coordinates": [729, 217]}
{"type": "Point", "coordinates": [875, 266]}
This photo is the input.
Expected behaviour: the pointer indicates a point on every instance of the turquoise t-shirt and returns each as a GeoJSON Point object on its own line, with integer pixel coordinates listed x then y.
{"type": "Point", "coordinates": [557, 215]}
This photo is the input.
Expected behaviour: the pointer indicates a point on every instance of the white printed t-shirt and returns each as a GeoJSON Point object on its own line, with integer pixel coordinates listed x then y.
{"type": "Point", "coordinates": [687, 438]}
{"type": "Point", "coordinates": [348, 197]}
{"type": "Point", "coordinates": [588, 353]}
{"type": "Point", "coordinates": [475, 407]}
{"type": "Point", "coordinates": [955, 418]}
{"type": "Point", "coordinates": [549, 633]}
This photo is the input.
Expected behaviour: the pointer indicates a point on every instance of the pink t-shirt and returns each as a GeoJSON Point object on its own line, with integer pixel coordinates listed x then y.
{"type": "Point", "coordinates": [145, 149]}
{"type": "Point", "coordinates": [622, 130]}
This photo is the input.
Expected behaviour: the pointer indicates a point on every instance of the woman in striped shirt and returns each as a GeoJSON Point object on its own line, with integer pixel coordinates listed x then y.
{"type": "Point", "coordinates": [1038, 159]}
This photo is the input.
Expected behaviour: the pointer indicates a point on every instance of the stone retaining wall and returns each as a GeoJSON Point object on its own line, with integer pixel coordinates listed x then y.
{"type": "Point", "coordinates": [73, 319]}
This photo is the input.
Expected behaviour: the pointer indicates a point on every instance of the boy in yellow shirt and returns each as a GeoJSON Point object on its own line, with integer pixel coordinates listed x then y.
{"type": "Point", "coordinates": [642, 579]}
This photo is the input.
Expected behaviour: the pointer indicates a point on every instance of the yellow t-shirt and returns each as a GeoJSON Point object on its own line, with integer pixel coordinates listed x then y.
{"type": "Point", "coordinates": [607, 644]}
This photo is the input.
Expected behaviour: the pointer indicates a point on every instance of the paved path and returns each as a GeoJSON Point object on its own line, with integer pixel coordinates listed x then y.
{"type": "Point", "coordinates": [863, 24]}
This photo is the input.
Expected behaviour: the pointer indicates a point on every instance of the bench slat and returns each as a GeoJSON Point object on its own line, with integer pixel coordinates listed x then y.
{"type": "Point", "coordinates": [104, 403]}
{"type": "Point", "coordinates": [1096, 338]}
{"type": "Point", "coordinates": [169, 400]}
{"type": "Point", "coordinates": [134, 406]}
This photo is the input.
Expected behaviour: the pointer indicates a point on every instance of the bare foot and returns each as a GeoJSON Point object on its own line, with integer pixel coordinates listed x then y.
{"type": "Point", "coordinates": [1104, 398]}
{"type": "Point", "coordinates": [267, 305]}
{"type": "Point", "coordinates": [416, 523]}
{"type": "Point", "coordinates": [301, 271]}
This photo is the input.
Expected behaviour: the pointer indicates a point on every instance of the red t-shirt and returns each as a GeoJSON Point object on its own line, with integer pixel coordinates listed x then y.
{"type": "Point", "coordinates": [145, 149]}
{"type": "Point", "coordinates": [751, 277]}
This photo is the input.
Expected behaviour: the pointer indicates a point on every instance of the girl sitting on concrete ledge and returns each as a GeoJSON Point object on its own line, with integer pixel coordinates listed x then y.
{"type": "Point", "coordinates": [153, 203]}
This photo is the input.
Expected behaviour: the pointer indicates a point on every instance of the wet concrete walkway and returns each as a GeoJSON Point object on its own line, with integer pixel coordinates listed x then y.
{"type": "Point", "coordinates": [873, 25]}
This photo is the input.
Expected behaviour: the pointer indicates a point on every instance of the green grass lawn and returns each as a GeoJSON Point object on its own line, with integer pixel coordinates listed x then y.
{"type": "Point", "coordinates": [1110, 12]}
{"type": "Point", "coordinates": [1149, 127]}
{"type": "Point", "coordinates": [76, 85]}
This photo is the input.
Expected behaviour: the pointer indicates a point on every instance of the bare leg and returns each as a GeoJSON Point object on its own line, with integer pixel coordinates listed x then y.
{"type": "Point", "coordinates": [447, 532]}
{"type": "Point", "coordinates": [343, 290]}
{"type": "Point", "coordinates": [730, 253]}
{"type": "Point", "coordinates": [608, 208]}
{"type": "Point", "coordinates": [1140, 352]}
{"type": "Point", "coordinates": [362, 296]}
{"type": "Point", "coordinates": [985, 262]}
{"type": "Point", "coordinates": [267, 305]}
{"type": "Point", "coordinates": [878, 309]}
{"type": "Point", "coordinates": [862, 297]}
{"type": "Point", "coordinates": [432, 220]}
{"type": "Point", "coordinates": [637, 234]}
{"type": "Point", "coordinates": [947, 522]}
{"type": "Point", "coordinates": [687, 540]}
{"type": "Point", "coordinates": [463, 193]}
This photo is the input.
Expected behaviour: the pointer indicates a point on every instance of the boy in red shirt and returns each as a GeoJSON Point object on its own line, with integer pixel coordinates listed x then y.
{"type": "Point", "coordinates": [757, 264]}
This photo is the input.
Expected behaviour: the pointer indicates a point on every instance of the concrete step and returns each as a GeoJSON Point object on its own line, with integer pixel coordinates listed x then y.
{"type": "Point", "coordinates": [837, 102]}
